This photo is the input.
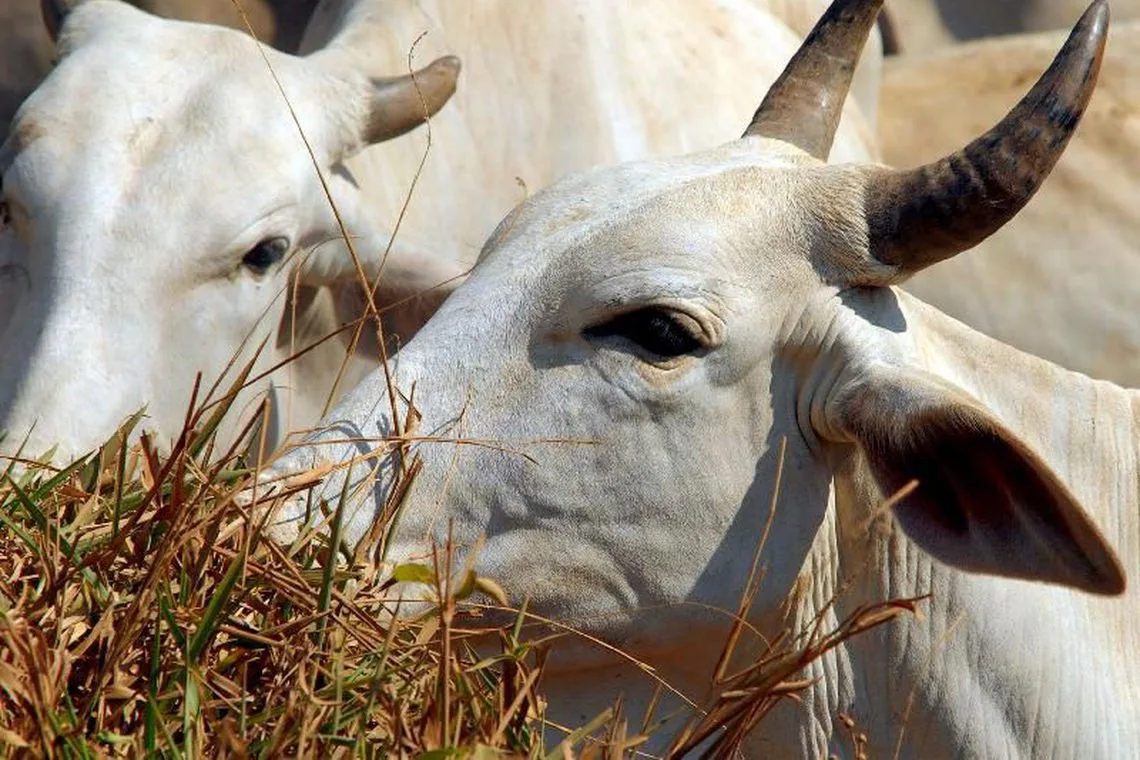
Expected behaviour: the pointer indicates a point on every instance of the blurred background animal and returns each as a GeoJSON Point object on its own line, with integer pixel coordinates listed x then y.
{"type": "Point", "coordinates": [1060, 280]}
{"type": "Point", "coordinates": [922, 26]}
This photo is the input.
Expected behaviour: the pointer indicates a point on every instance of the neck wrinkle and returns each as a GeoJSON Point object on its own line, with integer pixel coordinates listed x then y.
{"type": "Point", "coordinates": [1085, 429]}
{"type": "Point", "coordinates": [996, 666]}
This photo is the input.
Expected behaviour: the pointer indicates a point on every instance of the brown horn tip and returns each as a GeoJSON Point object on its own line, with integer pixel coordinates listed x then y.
{"type": "Point", "coordinates": [400, 104]}
{"type": "Point", "coordinates": [918, 217]}
{"type": "Point", "coordinates": [804, 105]}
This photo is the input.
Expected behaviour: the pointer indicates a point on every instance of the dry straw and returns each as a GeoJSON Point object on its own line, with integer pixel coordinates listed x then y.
{"type": "Point", "coordinates": [143, 613]}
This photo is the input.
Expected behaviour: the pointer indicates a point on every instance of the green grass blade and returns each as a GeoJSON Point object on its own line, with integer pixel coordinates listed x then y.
{"type": "Point", "coordinates": [215, 609]}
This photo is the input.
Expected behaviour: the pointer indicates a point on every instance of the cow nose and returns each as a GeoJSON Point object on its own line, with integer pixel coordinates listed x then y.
{"type": "Point", "coordinates": [347, 467]}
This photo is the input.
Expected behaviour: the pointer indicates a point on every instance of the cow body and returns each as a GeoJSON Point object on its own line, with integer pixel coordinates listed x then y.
{"type": "Point", "coordinates": [562, 88]}
{"type": "Point", "coordinates": [604, 405]}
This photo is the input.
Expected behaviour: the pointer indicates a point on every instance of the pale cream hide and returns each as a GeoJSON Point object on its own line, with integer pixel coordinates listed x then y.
{"type": "Point", "coordinates": [563, 87]}
{"type": "Point", "coordinates": [140, 182]}
{"type": "Point", "coordinates": [647, 478]}
{"type": "Point", "coordinates": [26, 51]}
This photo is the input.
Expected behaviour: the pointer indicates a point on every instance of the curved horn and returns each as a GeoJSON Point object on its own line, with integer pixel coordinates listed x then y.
{"type": "Point", "coordinates": [54, 13]}
{"type": "Point", "coordinates": [804, 105]}
{"type": "Point", "coordinates": [921, 216]}
{"type": "Point", "coordinates": [400, 104]}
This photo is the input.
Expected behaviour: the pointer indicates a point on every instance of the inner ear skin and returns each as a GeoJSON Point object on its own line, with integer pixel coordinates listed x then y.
{"type": "Point", "coordinates": [984, 502]}
{"type": "Point", "coordinates": [952, 500]}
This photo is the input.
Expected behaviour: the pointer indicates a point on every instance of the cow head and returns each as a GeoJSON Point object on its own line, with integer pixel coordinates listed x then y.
{"type": "Point", "coordinates": [606, 398]}
{"type": "Point", "coordinates": [160, 209]}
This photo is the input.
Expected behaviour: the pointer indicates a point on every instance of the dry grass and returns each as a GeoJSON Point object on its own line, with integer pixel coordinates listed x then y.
{"type": "Point", "coordinates": [142, 613]}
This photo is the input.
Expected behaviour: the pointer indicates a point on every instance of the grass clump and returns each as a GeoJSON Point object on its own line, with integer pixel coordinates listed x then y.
{"type": "Point", "coordinates": [143, 613]}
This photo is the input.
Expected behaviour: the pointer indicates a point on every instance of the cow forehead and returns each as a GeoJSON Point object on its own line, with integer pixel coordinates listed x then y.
{"type": "Point", "coordinates": [156, 120]}
{"type": "Point", "coordinates": [673, 226]}
{"type": "Point", "coordinates": [127, 75]}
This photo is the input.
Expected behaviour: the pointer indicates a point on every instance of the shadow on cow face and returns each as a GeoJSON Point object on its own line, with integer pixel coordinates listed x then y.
{"type": "Point", "coordinates": [164, 208]}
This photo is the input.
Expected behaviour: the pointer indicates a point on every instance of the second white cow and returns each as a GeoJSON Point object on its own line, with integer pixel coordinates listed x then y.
{"type": "Point", "coordinates": [161, 216]}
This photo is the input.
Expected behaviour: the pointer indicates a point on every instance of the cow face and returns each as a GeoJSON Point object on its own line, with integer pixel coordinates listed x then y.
{"type": "Point", "coordinates": [160, 209]}
{"type": "Point", "coordinates": [608, 399]}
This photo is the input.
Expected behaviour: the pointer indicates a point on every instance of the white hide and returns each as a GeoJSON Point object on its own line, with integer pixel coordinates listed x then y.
{"type": "Point", "coordinates": [155, 156]}
{"type": "Point", "coordinates": [624, 493]}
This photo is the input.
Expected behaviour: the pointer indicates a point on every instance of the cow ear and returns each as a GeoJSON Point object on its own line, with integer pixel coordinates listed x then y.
{"type": "Point", "coordinates": [400, 272]}
{"type": "Point", "coordinates": [376, 253]}
{"type": "Point", "coordinates": [984, 502]}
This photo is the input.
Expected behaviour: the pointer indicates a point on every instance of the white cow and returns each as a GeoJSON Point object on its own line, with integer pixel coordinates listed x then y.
{"type": "Point", "coordinates": [158, 157]}
{"type": "Point", "coordinates": [649, 335]}
{"type": "Point", "coordinates": [161, 214]}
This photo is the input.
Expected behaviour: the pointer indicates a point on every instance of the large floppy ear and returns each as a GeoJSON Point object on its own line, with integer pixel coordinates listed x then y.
{"type": "Point", "coordinates": [984, 501]}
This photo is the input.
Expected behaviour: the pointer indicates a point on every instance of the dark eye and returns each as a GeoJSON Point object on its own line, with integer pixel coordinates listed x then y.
{"type": "Point", "coordinates": [266, 254]}
{"type": "Point", "coordinates": [656, 330]}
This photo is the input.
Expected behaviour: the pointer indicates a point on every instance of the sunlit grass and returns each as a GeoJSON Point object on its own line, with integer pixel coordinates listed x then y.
{"type": "Point", "coordinates": [143, 613]}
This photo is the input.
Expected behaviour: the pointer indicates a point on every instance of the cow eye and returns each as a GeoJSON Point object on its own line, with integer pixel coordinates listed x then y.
{"type": "Point", "coordinates": [266, 254]}
{"type": "Point", "coordinates": [658, 331]}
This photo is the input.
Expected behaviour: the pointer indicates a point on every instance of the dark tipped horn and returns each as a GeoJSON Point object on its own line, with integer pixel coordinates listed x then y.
{"type": "Point", "coordinates": [54, 13]}
{"type": "Point", "coordinates": [921, 216]}
{"type": "Point", "coordinates": [402, 103]}
{"type": "Point", "coordinates": [804, 105]}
